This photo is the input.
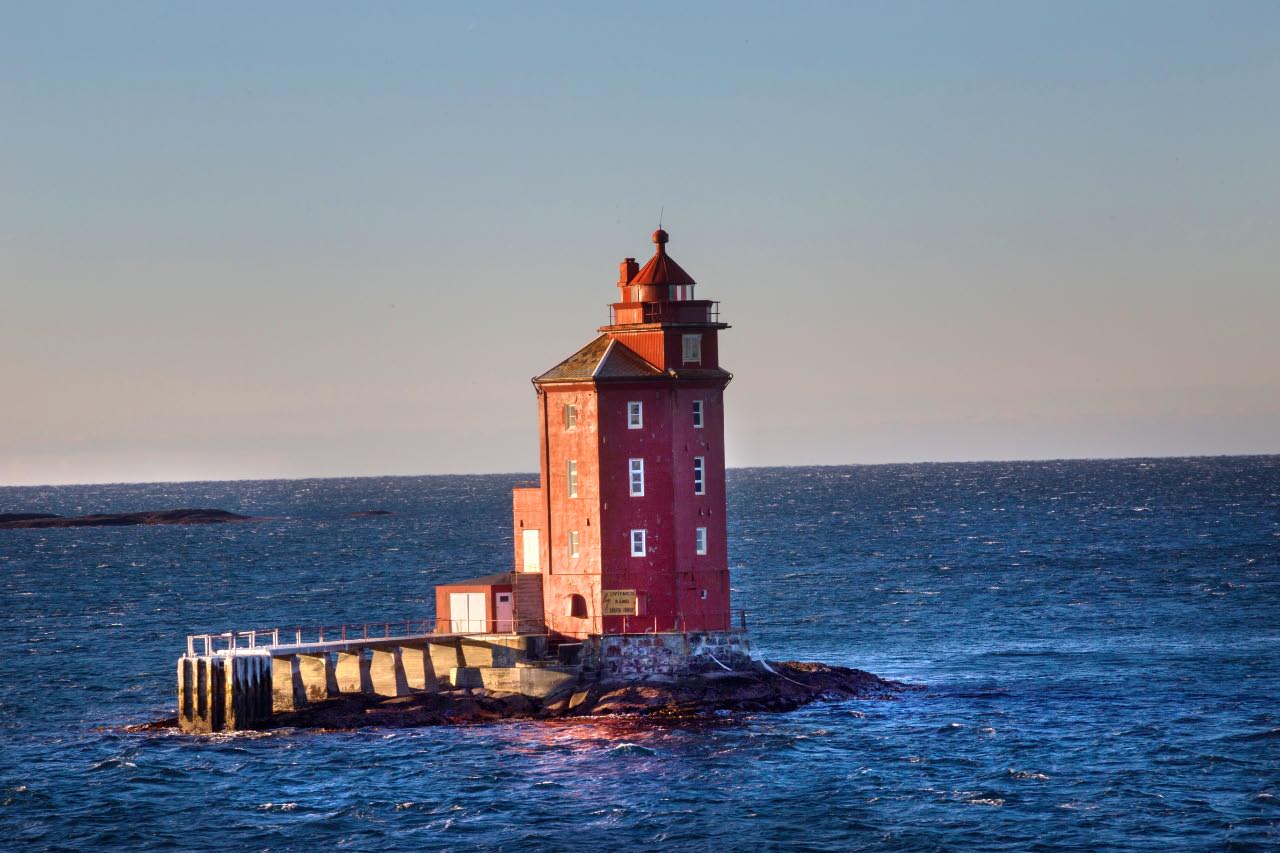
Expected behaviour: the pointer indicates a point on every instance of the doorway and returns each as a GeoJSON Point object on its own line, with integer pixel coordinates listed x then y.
{"type": "Point", "coordinates": [503, 613]}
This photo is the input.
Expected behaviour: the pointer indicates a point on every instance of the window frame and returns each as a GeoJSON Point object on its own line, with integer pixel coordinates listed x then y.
{"type": "Point", "coordinates": [700, 541]}
{"type": "Point", "coordinates": [636, 408]}
{"type": "Point", "coordinates": [635, 467]}
{"type": "Point", "coordinates": [571, 477]}
{"type": "Point", "coordinates": [699, 414]}
{"type": "Point", "coordinates": [685, 341]}
{"type": "Point", "coordinates": [642, 540]}
{"type": "Point", "coordinates": [570, 416]}
{"type": "Point", "coordinates": [699, 475]}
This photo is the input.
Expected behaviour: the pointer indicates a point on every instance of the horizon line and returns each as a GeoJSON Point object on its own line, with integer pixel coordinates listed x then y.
{"type": "Point", "coordinates": [1041, 460]}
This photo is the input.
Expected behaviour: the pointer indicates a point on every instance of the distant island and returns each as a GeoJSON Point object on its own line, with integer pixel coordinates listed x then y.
{"type": "Point", "coordinates": [22, 520]}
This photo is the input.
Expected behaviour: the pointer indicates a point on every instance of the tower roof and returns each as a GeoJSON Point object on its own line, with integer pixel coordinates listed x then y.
{"type": "Point", "coordinates": [603, 358]}
{"type": "Point", "coordinates": [662, 268]}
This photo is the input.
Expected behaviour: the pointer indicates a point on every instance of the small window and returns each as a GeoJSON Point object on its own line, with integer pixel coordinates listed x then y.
{"type": "Point", "coordinates": [700, 540]}
{"type": "Point", "coordinates": [570, 416]}
{"type": "Point", "coordinates": [572, 475]}
{"type": "Point", "coordinates": [575, 606]}
{"type": "Point", "coordinates": [637, 543]}
{"type": "Point", "coordinates": [697, 414]}
{"type": "Point", "coordinates": [635, 415]}
{"type": "Point", "coordinates": [637, 478]}
{"type": "Point", "coordinates": [704, 595]}
{"type": "Point", "coordinates": [573, 543]}
{"type": "Point", "coordinates": [692, 349]}
{"type": "Point", "coordinates": [699, 475]}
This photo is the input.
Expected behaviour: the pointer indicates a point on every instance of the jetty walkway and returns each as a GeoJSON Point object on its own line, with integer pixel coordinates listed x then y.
{"type": "Point", "coordinates": [238, 679]}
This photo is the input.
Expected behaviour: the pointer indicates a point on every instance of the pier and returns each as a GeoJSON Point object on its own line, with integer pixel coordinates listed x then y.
{"type": "Point", "coordinates": [237, 679]}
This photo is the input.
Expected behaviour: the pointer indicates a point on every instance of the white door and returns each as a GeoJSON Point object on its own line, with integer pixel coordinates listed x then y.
{"type": "Point", "coordinates": [502, 613]}
{"type": "Point", "coordinates": [466, 612]}
{"type": "Point", "coordinates": [532, 551]}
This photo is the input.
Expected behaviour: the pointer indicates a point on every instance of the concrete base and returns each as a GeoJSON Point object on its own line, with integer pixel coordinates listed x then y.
{"type": "Point", "coordinates": [319, 676]}
{"type": "Point", "coordinates": [386, 672]}
{"type": "Point", "coordinates": [352, 672]}
{"type": "Point", "coordinates": [218, 693]}
{"type": "Point", "coordinates": [466, 676]}
{"type": "Point", "coordinates": [288, 693]}
{"type": "Point", "coordinates": [419, 669]}
{"type": "Point", "coordinates": [536, 681]}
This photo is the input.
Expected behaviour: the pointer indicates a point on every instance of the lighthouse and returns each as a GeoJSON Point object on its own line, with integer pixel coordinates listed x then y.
{"type": "Point", "coordinates": [621, 555]}
{"type": "Point", "coordinates": [626, 527]}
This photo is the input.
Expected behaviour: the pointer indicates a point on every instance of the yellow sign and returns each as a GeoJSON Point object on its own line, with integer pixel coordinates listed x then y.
{"type": "Point", "coordinates": [619, 602]}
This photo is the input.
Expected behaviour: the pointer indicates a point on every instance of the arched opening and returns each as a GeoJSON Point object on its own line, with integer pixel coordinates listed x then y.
{"type": "Point", "coordinates": [576, 606]}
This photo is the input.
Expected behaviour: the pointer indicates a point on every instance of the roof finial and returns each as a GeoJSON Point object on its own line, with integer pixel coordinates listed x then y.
{"type": "Point", "coordinates": [660, 212]}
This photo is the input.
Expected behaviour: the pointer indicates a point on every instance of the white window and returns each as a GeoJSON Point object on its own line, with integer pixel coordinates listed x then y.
{"type": "Point", "coordinates": [637, 543]}
{"type": "Point", "coordinates": [692, 349]}
{"type": "Point", "coordinates": [697, 414]}
{"type": "Point", "coordinates": [699, 475]}
{"type": "Point", "coordinates": [637, 478]}
{"type": "Point", "coordinates": [704, 595]}
{"type": "Point", "coordinates": [635, 415]}
{"type": "Point", "coordinates": [700, 540]}
{"type": "Point", "coordinates": [572, 475]}
{"type": "Point", "coordinates": [570, 416]}
{"type": "Point", "coordinates": [573, 543]}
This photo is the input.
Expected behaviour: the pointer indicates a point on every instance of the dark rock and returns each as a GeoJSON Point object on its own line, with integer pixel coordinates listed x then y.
{"type": "Point", "coordinates": [369, 513]}
{"type": "Point", "coordinates": [167, 516]}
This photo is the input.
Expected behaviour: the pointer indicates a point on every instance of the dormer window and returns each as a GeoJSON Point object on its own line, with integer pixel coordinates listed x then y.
{"type": "Point", "coordinates": [692, 349]}
{"type": "Point", "coordinates": [635, 415]}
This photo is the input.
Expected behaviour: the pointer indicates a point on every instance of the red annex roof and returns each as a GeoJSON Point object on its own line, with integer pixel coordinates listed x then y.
{"type": "Point", "coordinates": [603, 358]}
{"type": "Point", "coordinates": [662, 268]}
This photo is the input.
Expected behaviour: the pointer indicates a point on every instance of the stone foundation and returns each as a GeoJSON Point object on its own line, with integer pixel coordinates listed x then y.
{"type": "Point", "coordinates": [639, 657]}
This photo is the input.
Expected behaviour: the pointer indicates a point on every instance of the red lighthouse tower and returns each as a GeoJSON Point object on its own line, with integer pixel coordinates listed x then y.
{"type": "Point", "coordinates": [627, 525]}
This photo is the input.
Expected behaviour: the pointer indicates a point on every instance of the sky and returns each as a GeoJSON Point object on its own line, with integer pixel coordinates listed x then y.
{"type": "Point", "coordinates": [257, 240]}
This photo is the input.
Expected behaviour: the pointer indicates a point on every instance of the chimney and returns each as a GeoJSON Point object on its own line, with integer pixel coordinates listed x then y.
{"type": "Point", "coordinates": [627, 270]}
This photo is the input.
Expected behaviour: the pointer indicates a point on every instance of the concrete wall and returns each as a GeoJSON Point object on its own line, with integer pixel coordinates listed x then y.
{"type": "Point", "coordinates": [536, 681]}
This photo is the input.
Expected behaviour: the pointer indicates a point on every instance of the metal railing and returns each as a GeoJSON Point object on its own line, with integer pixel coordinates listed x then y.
{"type": "Point", "coordinates": [236, 641]}
{"type": "Point", "coordinates": [693, 311]}
{"type": "Point", "coordinates": [233, 641]}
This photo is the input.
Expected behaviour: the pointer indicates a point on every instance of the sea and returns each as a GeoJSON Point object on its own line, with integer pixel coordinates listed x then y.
{"type": "Point", "coordinates": [1097, 643]}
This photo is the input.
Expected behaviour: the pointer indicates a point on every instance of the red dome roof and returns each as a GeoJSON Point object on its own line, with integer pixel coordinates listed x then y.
{"type": "Point", "coordinates": [661, 269]}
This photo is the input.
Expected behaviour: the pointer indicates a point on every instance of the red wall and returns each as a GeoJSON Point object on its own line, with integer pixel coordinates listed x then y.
{"type": "Point", "coordinates": [671, 577]}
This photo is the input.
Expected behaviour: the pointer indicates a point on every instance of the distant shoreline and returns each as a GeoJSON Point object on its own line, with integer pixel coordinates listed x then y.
{"type": "Point", "coordinates": [31, 520]}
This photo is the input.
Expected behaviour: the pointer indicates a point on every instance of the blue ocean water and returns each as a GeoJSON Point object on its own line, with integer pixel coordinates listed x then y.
{"type": "Point", "coordinates": [1098, 639]}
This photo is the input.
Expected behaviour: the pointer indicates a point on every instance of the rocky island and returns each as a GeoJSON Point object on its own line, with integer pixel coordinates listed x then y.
{"type": "Point", "coordinates": [762, 688]}
{"type": "Point", "coordinates": [790, 686]}
{"type": "Point", "coordinates": [24, 520]}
